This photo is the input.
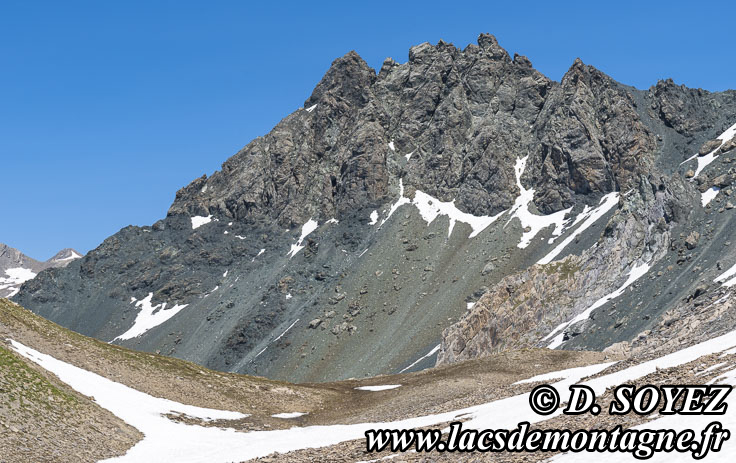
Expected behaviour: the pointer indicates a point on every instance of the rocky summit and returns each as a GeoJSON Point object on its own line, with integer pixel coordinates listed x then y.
{"type": "Point", "coordinates": [457, 205]}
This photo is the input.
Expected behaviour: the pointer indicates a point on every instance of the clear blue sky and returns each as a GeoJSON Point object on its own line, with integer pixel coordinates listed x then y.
{"type": "Point", "coordinates": [107, 108]}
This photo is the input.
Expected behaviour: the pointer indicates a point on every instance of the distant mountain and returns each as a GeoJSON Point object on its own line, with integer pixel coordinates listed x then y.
{"type": "Point", "coordinates": [17, 268]}
{"type": "Point", "coordinates": [449, 207]}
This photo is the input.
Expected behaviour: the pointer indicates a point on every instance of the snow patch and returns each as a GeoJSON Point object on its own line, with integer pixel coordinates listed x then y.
{"type": "Point", "coordinates": [73, 256]}
{"type": "Point", "coordinates": [150, 316]}
{"type": "Point", "coordinates": [408, 156]}
{"type": "Point", "coordinates": [636, 272]}
{"type": "Point", "coordinates": [534, 223]}
{"type": "Point", "coordinates": [166, 440]}
{"type": "Point", "coordinates": [311, 108]}
{"type": "Point", "coordinates": [213, 290]}
{"type": "Point", "coordinates": [18, 275]}
{"type": "Point", "coordinates": [198, 221]}
{"type": "Point", "coordinates": [15, 278]}
{"type": "Point", "coordinates": [391, 146]}
{"type": "Point", "coordinates": [307, 228]}
{"type": "Point", "coordinates": [374, 218]}
{"type": "Point", "coordinates": [704, 161]}
{"type": "Point", "coordinates": [259, 253]}
{"type": "Point", "coordinates": [430, 208]}
{"type": "Point", "coordinates": [400, 202]}
{"type": "Point", "coordinates": [333, 220]}
{"type": "Point", "coordinates": [727, 278]}
{"type": "Point", "coordinates": [384, 387]}
{"type": "Point", "coordinates": [589, 217]}
{"type": "Point", "coordinates": [676, 422]}
{"type": "Point", "coordinates": [288, 415]}
{"type": "Point", "coordinates": [240, 237]}
{"type": "Point", "coordinates": [709, 195]}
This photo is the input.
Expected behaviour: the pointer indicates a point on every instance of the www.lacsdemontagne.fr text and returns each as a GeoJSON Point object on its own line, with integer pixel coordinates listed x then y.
{"type": "Point", "coordinates": [641, 443]}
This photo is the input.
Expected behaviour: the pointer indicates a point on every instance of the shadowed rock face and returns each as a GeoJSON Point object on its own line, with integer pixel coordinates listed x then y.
{"type": "Point", "coordinates": [450, 124]}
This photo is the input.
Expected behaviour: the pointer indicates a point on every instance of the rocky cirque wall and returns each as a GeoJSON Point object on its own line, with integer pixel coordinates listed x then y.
{"type": "Point", "coordinates": [343, 242]}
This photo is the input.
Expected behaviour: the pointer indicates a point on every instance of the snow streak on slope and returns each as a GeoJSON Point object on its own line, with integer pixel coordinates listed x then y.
{"type": "Point", "coordinates": [307, 228]}
{"type": "Point", "coordinates": [269, 343]}
{"type": "Point", "coordinates": [520, 210]}
{"type": "Point", "coordinates": [727, 278]}
{"type": "Point", "coordinates": [400, 202]}
{"type": "Point", "coordinates": [149, 317]}
{"type": "Point", "coordinates": [696, 423]}
{"type": "Point", "coordinates": [287, 329]}
{"type": "Point", "coordinates": [636, 272]}
{"type": "Point", "coordinates": [704, 161]}
{"type": "Point", "coordinates": [15, 277]}
{"type": "Point", "coordinates": [168, 441]}
{"type": "Point", "coordinates": [589, 217]}
{"type": "Point", "coordinates": [427, 355]}
{"type": "Point", "coordinates": [430, 208]}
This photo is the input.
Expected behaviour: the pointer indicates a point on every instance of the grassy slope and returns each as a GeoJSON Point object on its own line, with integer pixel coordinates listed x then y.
{"type": "Point", "coordinates": [41, 419]}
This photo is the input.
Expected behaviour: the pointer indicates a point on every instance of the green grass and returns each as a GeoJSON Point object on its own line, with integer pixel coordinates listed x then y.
{"type": "Point", "coordinates": [23, 386]}
{"type": "Point", "coordinates": [15, 318]}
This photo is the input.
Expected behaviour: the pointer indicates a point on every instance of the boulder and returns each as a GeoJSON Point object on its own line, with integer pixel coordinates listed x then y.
{"type": "Point", "coordinates": [691, 242]}
{"type": "Point", "coordinates": [709, 146]}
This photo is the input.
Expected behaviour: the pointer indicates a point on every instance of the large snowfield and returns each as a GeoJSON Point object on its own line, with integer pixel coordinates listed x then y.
{"type": "Point", "coordinates": [167, 440]}
{"type": "Point", "coordinates": [14, 278]}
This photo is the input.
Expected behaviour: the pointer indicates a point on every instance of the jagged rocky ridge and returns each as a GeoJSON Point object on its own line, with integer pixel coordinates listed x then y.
{"type": "Point", "coordinates": [448, 178]}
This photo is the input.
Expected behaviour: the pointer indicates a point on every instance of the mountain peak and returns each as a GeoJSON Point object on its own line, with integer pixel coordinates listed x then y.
{"type": "Point", "coordinates": [346, 81]}
{"type": "Point", "coordinates": [16, 268]}
{"type": "Point", "coordinates": [489, 44]}
{"type": "Point", "coordinates": [66, 255]}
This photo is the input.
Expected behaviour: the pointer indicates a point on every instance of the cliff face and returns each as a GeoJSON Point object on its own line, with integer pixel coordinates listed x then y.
{"type": "Point", "coordinates": [448, 177]}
